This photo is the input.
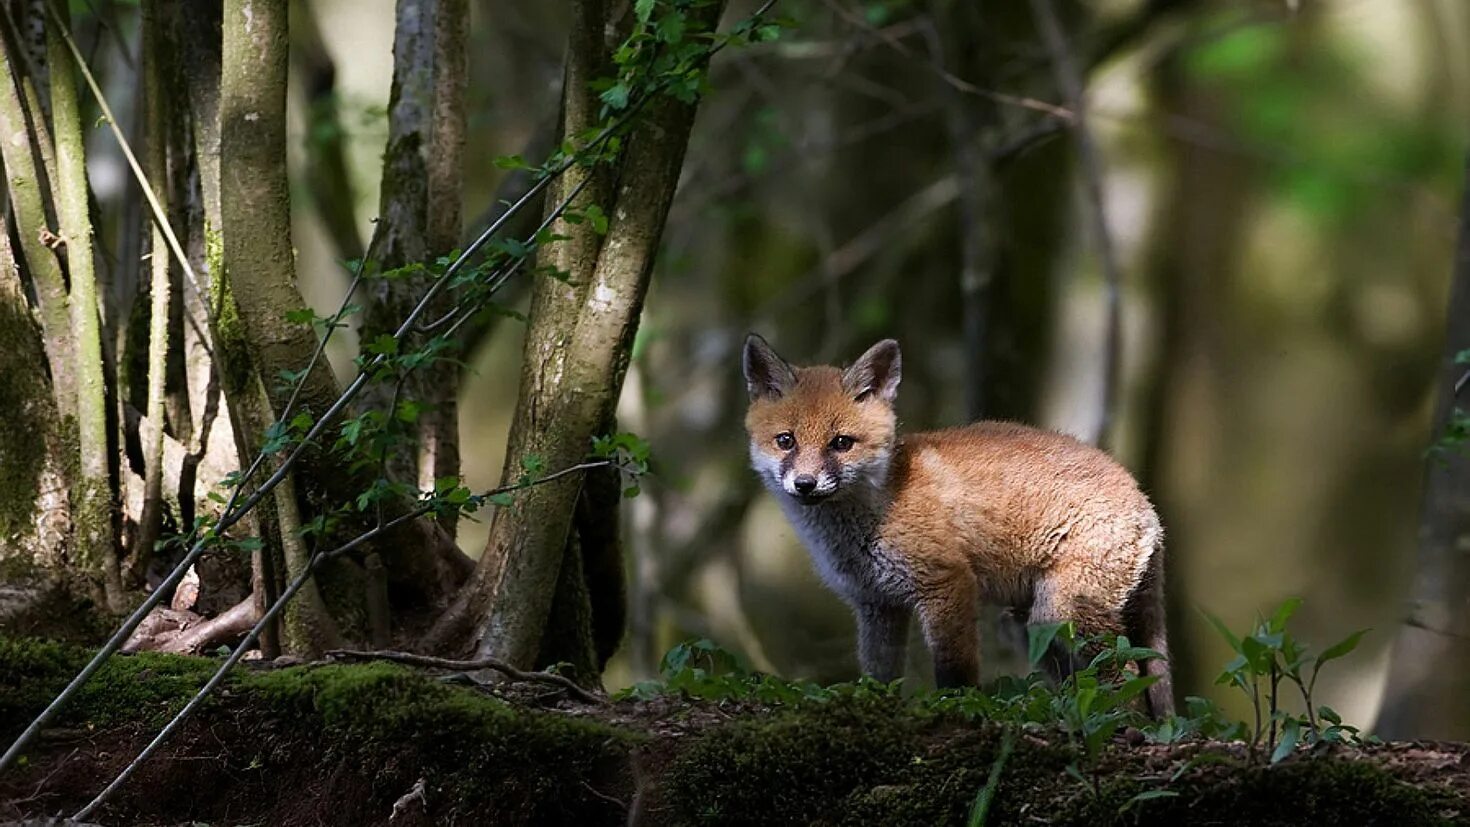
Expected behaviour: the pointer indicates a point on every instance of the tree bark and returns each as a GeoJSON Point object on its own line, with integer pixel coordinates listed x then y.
{"type": "Point", "coordinates": [28, 206]}
{"type": "Point", "coordinates": [92, 507]}
{"type": "Point", "coordinates": [1429, 676]}
{"type": "Point", "coordinates": [420, 217]}
{"type": "Point", "coordinates": [577, 350]}
{"type": "Point", "coordinates": [258, 263]}
{"type": "Point", "coordinates": [156, 119]}
{"type": "Point", "coordinates": [34, 502]}
{"type": "Point", "coordinates": [422, 563]}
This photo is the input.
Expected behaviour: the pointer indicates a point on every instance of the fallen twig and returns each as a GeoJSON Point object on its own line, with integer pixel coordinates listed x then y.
{"type": "Point", "coordinates": [431, 662]}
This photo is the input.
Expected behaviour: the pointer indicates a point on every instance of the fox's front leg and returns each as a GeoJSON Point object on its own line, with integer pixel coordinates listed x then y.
{"type": "Point", "coordinates": [948, 613]}
{"type": "Point", "coordinates": [883, 632]}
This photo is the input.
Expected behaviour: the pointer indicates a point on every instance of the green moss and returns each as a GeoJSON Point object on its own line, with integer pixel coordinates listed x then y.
{"type": "Point", "coordinates": [379, 725]}
{"type": "Point", "coordinates": [25, 404]}
{"type": "Point", "coordinates": [877, 761]}
{"type": "Point", "coordinates": [229, 329]}
{"type": "Point", "coordinates": [360, 735]}
{"type": "Point", "coordinates": [1300, 792]}
{"type": "Point", "coordinates": [145, 687]}
{"type": "Point", "coordinates": [874, 760]}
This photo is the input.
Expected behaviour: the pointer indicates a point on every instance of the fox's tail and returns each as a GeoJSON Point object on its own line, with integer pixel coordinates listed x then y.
{"type": "Point", "coordinates": [1144, 616]}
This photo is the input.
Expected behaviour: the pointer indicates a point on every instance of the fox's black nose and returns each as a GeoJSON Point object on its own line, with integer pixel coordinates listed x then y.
{"type": "Point", "coordinates": [805, 484]}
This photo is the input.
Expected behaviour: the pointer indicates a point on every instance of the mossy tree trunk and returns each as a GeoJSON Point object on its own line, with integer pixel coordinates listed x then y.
{"type": "Point", "coordinates": [420, 215]}
{"type": "Point", "coordinates": [1428, 691]}
{"type": "Point", "coordinates": [41, 457]}
{"type": "Point", "coordinates": [93, 510]}
{"type": "Point", "coordinates": [34, 501]}
{"type": "Point", "coordinates": [226, 364]}
{"type": "Point", "coordinates": [576, 354]}
{"type": "Point", "coordinates": [258, 261]}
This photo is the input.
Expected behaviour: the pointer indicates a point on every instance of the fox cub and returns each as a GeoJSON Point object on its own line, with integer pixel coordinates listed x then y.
{"type": "Point", "coordinates": [933, 523]}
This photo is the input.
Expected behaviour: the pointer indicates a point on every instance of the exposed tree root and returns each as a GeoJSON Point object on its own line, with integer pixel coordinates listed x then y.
{"type": "Point", "coordinates": [186, 633]}
{"type": "Point", "coordinates": [472, 665]}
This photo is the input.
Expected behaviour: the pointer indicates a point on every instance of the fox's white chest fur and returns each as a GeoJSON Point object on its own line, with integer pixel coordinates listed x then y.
{"type": "Point", "coordinates": [842, 537]}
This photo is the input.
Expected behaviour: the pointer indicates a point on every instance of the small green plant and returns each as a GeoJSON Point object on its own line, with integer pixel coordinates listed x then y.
{"type": "Point", "coordinates": [1266, 659]}
{"type": "Point", "coordinates": [1094, 702]}
{"type": "Point", "coordinates": [701, 669]}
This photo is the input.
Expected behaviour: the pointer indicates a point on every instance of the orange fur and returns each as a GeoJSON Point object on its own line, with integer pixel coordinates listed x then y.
{"type": "Point", "coordinates": [937, 522]}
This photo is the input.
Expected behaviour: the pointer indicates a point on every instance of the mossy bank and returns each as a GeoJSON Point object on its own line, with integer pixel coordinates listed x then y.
{"type": "Point", "coordinates": [341, 744]}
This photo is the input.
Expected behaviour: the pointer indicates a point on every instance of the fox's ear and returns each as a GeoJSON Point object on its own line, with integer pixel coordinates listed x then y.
{"type": "Point", "coordinates": [875, 373]}
{"type": "Point", "coordinates": [766, 374]}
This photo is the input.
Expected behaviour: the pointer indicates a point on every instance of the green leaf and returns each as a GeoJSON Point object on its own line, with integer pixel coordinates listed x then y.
{"type": "Point", "coordinates": [303, 315]}
{"type": "Point", "coordinates": [502, 499]}
{"type": "Point", "coordinates": [1223, 630]}
{"type": "Point", "coordinates": [671, 27]}
{"type": "Point", "coordinates": [1290, 734]}
{"type": "Point", "coordinates": [1147, 795]}
{"type": "Point", "coordinates": [408, 411]}
{"type": "Point", "coordinates": [1328, 714]}
{"type": "Point", "coordinates": [384, 344]}
{"type": "Point", "coordinates": [1284, 613]}
{"type": "Point", "coordinates": [598, 218]}
{"type": "Point", "coordinates": [302, 421]}
{"type": "Point", "coordinates": [511, 162]}
{"type": "Point", "coordinates": [1132, 688]}
{"type": "Point", "coordinates": [1257, 654]}
{"type": "Point", "coordinates": [533, 464]}
{"type": "Point", "coordinates": [1039, 639]}
{"type": "Point", "coordinates": [616, 96]}
{"type": "Point", "coordinates": [1341, 648]}
{"type": "Point", "coordinates": [643, 9]}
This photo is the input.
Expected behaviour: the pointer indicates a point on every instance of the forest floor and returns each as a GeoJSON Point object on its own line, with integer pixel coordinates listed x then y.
{"type": "Point", "coordinates": [378, 743]}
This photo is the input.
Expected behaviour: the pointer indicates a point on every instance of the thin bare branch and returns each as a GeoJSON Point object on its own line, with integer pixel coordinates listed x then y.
{"type": "Point", "coordinates": [852, 17]}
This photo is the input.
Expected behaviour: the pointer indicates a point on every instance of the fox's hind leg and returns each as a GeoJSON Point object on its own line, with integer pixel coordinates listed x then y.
{"type": "Point", "coordinates": [1059, 598]}
{"type": "Point", "coordinates": [1144, 615]}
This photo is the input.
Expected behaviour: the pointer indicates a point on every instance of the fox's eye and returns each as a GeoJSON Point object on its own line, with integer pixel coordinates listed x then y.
{"type": "Point", "coordinates": [841, 442]}
{"type": "Point", "coordinates": [785, 441]}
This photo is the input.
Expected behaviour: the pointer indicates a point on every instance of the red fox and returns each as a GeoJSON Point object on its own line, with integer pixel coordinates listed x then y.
{"type": "Point", "coordinates": [933, 523]}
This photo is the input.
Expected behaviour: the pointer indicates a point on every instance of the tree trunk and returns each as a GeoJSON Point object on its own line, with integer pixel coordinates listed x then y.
{"type": "Point", "coordinates": [156, 119]}
{"type": "Point", "coordinates": [259, 267]}
{"type": "Point", "coordinates": [1429, 679]}
{"type": "Point", "coordinates": [34, 502]}
{"type": "Point", "coordinates": [420, 217]}
{"type": "Point", "coordinates": [577, 350]}
{"type": "Point", "coordinates": [92, 507]}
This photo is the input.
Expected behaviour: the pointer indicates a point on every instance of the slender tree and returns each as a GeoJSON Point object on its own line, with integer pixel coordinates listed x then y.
{"type": "Point", "coordinates": [92, 511]}
{"type": "Point", "coordinates": [1429, 675]}
{"type": "Point", "coordinates": [156, 119]}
